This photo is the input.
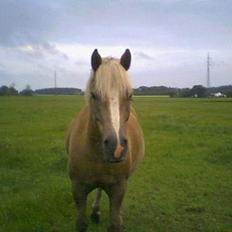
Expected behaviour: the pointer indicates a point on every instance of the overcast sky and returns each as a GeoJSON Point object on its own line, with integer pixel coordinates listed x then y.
{"type": "Point", "coordinates": [169, 40]}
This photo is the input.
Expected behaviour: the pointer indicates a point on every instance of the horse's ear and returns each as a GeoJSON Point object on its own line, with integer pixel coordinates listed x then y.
{"type": "Point", "coordinates": [125, 60]}
{"type": "Point", "coordinates": [96, 60]}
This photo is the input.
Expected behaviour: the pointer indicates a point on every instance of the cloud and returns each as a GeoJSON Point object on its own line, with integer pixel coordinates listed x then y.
{"type": "Point", "coordinates": [2, 66]}
{"type": "Point", "coordinates": [169, 39]}
{"type": "Point", "coordinates": [161, 22]}
{"type": "Point", "coordinates": [143, 55]}
{"type": "Point", "coordinates": [40, 50]}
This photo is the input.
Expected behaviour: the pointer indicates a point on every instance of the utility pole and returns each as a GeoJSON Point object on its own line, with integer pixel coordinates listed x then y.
{"type": "Point", "coordinates": [55, 81]}
{"type": "Point", "coordinates": [208, 71]}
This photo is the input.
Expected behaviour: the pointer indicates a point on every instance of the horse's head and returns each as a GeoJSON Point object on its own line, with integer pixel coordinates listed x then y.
{"type": "Point", "coordinates": [109, 95]}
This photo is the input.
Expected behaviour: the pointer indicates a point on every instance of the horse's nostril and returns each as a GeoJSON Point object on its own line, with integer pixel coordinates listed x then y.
{"type": "Point", "coordinates": [124, 141]}
{"type": "Point", "coordinates": [106, 142]}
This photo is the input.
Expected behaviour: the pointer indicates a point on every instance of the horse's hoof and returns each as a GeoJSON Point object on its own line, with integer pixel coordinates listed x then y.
{"type": "Point", "coordinates": [115, 228]}
{"type": "Point", "coordinates": [95, 217]}
{"type": "Point", "coordinates": [81, 227]}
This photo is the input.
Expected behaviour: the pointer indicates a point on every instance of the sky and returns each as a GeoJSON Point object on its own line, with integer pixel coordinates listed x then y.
{"type": "Point", "coordinates": [169, 40]}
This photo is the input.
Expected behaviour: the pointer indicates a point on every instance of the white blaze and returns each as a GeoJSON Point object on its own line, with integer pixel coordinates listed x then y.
{"type": "Point", "coordinates": [114, 113]}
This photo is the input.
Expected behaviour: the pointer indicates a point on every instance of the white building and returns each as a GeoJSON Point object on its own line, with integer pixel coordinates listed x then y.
{"type": "Point", "coordinates": [218, 94]}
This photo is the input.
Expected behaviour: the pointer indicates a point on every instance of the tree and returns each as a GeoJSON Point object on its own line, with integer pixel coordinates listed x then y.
{"type": "Point", "coordinates": [198, 91]}
{"type": "Point", "coordinates": [6, 91]}
{"type": "Point", "coordinates": [186, 92]}
{"type": "Point", "coordinates": [27, 91]}
{"type": "Point", "coordinates": [229, 93]}
{"type": "Point", "coordinates": [12, 90]}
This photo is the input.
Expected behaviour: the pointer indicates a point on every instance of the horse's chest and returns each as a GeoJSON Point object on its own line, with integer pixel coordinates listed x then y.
{"type": "Point", "coordinates": [100, 173]}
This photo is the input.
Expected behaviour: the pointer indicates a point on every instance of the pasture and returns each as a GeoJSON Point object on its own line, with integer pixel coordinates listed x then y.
{"type": "Point", "coordinates": [183, 184]}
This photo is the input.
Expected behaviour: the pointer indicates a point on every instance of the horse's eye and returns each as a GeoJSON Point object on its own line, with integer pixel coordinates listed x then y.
{"type": "Point", "coordinates": [130, 97]}
{"type": "Point", "coordinates": [93, 96]}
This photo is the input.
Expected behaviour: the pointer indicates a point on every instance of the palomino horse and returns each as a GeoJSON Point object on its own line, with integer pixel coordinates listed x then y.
{"type": "Point", "coordinates": [105, 141]}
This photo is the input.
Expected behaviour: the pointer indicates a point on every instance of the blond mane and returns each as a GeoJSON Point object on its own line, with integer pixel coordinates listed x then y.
{"type": "Point", "coordinates": [109, 77]}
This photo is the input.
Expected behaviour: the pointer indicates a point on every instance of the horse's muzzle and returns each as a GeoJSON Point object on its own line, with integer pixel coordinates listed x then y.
{"type": "Point", "coordinates": [113, 151]}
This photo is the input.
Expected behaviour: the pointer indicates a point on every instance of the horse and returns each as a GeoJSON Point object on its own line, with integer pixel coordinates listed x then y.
{"type": "Point", "coordinates": [105, 141]}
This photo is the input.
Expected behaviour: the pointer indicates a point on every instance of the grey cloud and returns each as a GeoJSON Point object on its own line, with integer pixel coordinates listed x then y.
{"type": "Point", "coordinates": [143, 55]}
{"type": "Point", "coordinates": [183, 23]}
{"type": "Point", "coordinates": [24, 21]}
{"type": "Point", "coordinates": [51, 49]}
{"type": "Point", "coordinates": [2, 66]}
{"type": "Point", "coordinates": [145, 24]}
{"type": "Point", "coordinates": [40, 50]}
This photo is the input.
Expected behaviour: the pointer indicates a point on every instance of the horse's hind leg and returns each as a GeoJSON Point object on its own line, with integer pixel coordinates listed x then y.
{"type": "Point", "coordinates": [95, 215]}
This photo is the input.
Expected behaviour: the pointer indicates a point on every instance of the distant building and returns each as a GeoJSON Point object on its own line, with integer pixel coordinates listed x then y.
{"type": "Point", "coordinates": [218, 94]}
{"type": "Point", "coordinates": [60, 91]}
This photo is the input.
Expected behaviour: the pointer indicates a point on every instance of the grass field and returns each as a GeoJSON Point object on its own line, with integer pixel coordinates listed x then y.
{"type": "Point", "coordinates": [183, 184]}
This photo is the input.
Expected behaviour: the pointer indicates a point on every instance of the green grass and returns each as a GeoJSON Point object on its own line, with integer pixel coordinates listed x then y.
{"type": "Point", "coordinates": [183, 184]}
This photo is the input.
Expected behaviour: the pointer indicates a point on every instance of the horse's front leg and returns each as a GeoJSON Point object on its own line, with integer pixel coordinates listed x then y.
{"type": "Point", "coordinates": [80, 193]}
{"type": "Point", "coordinates": [95, 215]}
{"type": "Point", "coordinates": [116, 194]}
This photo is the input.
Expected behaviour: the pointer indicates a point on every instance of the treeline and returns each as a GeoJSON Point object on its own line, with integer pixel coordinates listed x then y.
{"type": "Point", "coordinates": [12, 91]}
{"type": "Point", "coordinates": [155, 90]}
{"type": "Point", "coordinates": [60, 91]}
{"type": "Point", "coordinates": [195, 91]}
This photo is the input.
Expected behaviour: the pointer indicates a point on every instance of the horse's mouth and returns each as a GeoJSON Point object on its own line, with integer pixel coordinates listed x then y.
{"type": "Point", "coordinates": [109, 157]}
{"type": "Point", "coordinates": [115, 161]}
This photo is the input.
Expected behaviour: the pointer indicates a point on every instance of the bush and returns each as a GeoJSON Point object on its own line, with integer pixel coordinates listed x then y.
{"type": "Point", "coordinates": [185, 92]}
{"type": "Point", "coordinates": [229, 94]}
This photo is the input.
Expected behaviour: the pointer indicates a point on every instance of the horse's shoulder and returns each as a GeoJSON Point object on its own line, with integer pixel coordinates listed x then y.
{"type": "Point", "coordinates": [80, 119]}
{"type": "Point", "coordinates": [77, 125]}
